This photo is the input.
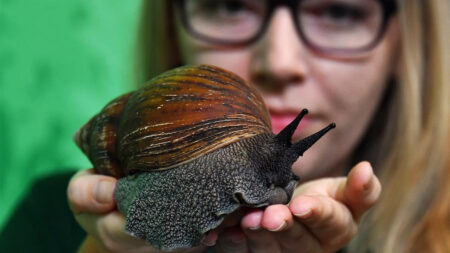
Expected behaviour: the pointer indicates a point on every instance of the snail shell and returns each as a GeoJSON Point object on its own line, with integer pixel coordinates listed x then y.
{"type": "Point", "coordinates": [173, 120]}
{"type": "Point", "coordinates": [191, 146]}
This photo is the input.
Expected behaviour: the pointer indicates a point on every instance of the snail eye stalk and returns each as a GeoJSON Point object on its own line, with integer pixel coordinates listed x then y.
{"type": "Point", "coordinates": [284, 137]}
{"type": "Point", "coordinates": [298, 148]}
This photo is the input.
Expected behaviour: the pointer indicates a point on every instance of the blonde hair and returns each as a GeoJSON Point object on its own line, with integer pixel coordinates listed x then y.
{"type": "Point", "coordinates": [415, 171]}
{"type": "Point", "coordinates": [413, 214]}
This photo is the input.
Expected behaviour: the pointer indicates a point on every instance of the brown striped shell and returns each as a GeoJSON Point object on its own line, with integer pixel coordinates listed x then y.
{"type": "Point", "coordinates": [175, 118]}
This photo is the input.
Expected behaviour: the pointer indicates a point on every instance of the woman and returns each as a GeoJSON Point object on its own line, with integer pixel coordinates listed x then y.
{"type": "Point", "coordinates": [376, 68]}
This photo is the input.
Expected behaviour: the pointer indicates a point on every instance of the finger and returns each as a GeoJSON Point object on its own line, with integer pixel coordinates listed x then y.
{"type": "Point", "coordinates": [362, 189]}
{"type": "Point", "coordinates": [359, 190]}
{"type": "Point", "coordinates": [109, 232]}
{"type": "Point", "coordinates": [107, 228]}
{"type": "Point", "coordinates": [231, 240]}
{"type": "Point", "coordinates": [259, 239]}
{"type": "Point", "coordinates": [333, 187]}
{"type": "Point", "coordinates": [252, 219]}
{"type": "Point", "coordinates": [331, 222]}
{"type": "Point", "coordinates": [210, 238]}
{"type": "Point", "coordinates": [276, 218]}
{"type": "Point", "coordinates": [92, 193]}
{"type": "Point", "coordinates": [292, 234]}
{"type": "Point", "coordinates": [286, 234]}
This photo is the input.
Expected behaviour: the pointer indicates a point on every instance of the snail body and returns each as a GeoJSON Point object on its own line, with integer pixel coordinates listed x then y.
{"type": "Point", "coordinates": [188, 148]}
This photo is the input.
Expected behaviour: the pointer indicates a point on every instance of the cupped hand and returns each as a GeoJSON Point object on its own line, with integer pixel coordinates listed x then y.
{"type": "Point", "coordinates": [91, 199]}
{"type": "Point", "coordinates": [322, 216]}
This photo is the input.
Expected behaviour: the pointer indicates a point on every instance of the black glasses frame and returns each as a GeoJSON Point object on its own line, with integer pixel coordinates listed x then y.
{"type": "Point", "coordinates": [389, 8]}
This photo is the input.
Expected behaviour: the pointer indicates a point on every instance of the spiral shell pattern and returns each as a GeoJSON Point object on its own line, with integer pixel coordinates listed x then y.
{"type": "Point", "coordinates": [175, 118]}
{"type": "Point", "coordinates": [185, 113]}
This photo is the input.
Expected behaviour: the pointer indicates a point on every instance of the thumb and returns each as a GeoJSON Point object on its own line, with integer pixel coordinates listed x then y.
{"type": "Point", "coordinates": [91, 193]}
{"type": "Point", "coordinates": [362, 189]}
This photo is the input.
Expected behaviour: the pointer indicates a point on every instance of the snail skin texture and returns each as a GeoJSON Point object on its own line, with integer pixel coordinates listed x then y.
{"type": "Point", "coordinates": [188, 148]}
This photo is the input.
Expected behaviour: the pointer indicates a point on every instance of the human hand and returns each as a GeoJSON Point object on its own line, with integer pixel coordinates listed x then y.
{"type": "Point", "coordinates": [91, 199]}
{"type": "Point", "coordinates": [322, 216]}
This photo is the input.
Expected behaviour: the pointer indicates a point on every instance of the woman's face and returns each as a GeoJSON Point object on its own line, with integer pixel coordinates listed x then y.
{"type": "Point", "coordinates": [290, 76]}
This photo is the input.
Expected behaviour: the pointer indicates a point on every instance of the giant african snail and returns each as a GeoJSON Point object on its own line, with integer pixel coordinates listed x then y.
{"type": "Point", "coordinates": [190, 147]}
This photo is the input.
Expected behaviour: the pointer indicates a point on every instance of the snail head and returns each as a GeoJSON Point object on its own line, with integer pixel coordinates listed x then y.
{"type": "Point", "coordinates": [279, 156]}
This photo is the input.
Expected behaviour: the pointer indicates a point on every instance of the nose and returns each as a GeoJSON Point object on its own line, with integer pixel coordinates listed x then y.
{"type": "Point", "coordinates": [278, 58]}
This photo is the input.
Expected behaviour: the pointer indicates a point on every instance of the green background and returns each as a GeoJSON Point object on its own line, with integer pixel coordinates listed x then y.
{"type": "Point", "coordinates": [60, 63]}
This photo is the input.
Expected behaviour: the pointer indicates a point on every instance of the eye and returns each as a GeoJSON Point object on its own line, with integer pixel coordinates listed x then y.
{"type": "Point", "coordinates": [339, 12]}
{"type": "Point", "coordinates": [224, 9]}
{"type": "Point", "coordinates": [336, 13]}
{"type": "Point", "coordinates": [230, 7]}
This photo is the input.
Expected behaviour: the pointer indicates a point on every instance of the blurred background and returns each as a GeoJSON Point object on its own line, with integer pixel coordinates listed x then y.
{"type": "Point", "coordinates": [60, 63]}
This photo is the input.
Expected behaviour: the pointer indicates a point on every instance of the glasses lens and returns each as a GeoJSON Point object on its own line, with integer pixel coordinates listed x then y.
{"type": "Point", "coordinates": [340, 24]}
{"type": "Point", "coordinates": [226, 20]}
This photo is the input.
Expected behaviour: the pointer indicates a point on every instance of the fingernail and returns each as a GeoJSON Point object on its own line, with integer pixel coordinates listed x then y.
{"type": "Point", "coordinates": [303, 213]}
{"type": "Point", "coordinates": [367, 185]}
{"type": "Point", "coordinates": [254, 228]}
{"type": "Point", "coordinates": [282, 225]}
{"type": "Point", "coordinates": [103, 191]}
{"type": "Point", "coordinates": [208, 243]}
{"type": "Point", "coordinates": [210, 239]}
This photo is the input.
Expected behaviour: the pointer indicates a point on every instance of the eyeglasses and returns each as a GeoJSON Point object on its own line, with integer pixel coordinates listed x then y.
{"type": "Point", "coordinates": [327, 26]}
